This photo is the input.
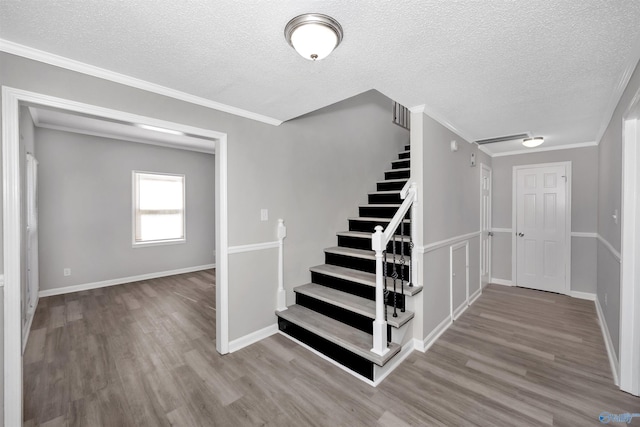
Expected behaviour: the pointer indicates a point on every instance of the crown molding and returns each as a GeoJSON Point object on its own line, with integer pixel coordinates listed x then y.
{"type": "Point", "coordinates": [541, 149]}
{"type": "Point", "coordinates": [81, 67]}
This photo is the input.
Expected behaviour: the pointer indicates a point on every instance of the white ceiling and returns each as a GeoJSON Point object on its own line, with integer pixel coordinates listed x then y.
{"type": "Point", "coordinates": [484, 68]}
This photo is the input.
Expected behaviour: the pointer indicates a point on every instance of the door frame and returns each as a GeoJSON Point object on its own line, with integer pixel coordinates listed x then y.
{"type": "Point", "coordinates": [488, 168]}
{"type": "Point", "coordinates": [11, 239]}
{"type": "Point", "coordinates": [629, 362]}
{"type": "Point", "coordinates": [514, 223]}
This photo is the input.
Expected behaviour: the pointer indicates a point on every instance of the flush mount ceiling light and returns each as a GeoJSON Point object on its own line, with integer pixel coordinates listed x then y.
{"type": "Point", "coordinates": [532, 142]}
{"type": "Point", "coordinates": [313, 35]}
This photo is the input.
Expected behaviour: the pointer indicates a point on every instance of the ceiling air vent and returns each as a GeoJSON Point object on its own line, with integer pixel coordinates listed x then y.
{"type": "Point", "coordinates": [503, 138]}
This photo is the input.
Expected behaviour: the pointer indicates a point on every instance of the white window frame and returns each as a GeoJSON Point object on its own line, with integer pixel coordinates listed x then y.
{"type": "Point", "coordinates": [134, 209]}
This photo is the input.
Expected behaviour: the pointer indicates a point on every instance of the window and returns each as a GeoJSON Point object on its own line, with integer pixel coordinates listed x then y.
{"type": "Point", "coordinates": [158, 208]}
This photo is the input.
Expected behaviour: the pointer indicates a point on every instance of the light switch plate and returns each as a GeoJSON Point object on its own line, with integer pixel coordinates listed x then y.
{"type": "Point", "coordinates": [264, 215]}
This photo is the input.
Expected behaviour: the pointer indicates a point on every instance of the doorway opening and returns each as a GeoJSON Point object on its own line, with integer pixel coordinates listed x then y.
{"type": "Point", "coordinates": [12, 100]}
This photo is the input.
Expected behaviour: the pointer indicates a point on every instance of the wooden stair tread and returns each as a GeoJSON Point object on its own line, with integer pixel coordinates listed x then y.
{"type": "Point", "coordinates": [386, 192]}
{"type": "Point", "coordinates": [400, 169]}
{"type": "Point", "coordinates": [363, 253]}
{"type": "Point", "coordinates": [393, 180]}
{"type": "Point", "coordinates": [366, 235]}
{"type": "Point", "coordinates": [362, 277]}
{"type": "Point", "coordinates": [352, 339]}
{"type": "Point", "coordinates": [381, 205]}
{"type": "Point", "coordinates": [354, 303]}
{"type": "Point", "coordinates": [373, 219]}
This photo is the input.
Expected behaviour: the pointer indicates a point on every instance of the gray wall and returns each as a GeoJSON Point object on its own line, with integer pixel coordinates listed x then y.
{"type": "Point", "coordinates": [451, 201]}
{"type": "Point", "coordinates": [609, 199]}
{"type": "Point", "coordinates": [313, 172]}
{"type": "Point", "coordinates": [584, 198]}
{"type": "Point", "coordinates": [85, 208]}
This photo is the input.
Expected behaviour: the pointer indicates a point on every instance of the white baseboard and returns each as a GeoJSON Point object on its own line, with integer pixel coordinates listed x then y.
{"type": "Point", "coordinates": [458, 311]}
{"type": "Point", "coordinates": [613, 359]}
{"type": "Point", "coordinates": [474, 296]}
{"type": "Point", "coordinates": [502, 282]}
{"type": "Point", "coordinates": [27, 330]}
{"type": "Point", "coordinates": [253, 337]}
{"type": "Point", "coordinates": [380, 373]}
{"type": "Point", "coordinates": [120, 281]}
{"type": "Point", "coordinates": [424, 345]}
{"type": "Point", "coordinates": [582, 295]}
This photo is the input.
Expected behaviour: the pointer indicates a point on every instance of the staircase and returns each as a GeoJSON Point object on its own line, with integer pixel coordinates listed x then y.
{"type": "Point", "coordinates": [334, 313]}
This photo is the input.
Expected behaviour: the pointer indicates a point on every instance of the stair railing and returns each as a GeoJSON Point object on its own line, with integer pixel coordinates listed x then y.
{"type": "Point", "coordinates": [379, 241]}
{"type": "Point", "coordinates": [401, 115]}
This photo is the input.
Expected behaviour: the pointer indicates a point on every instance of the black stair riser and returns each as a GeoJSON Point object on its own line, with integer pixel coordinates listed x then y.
{"type": "Point", "coordinates": [380, 199]}
{"type": "Point", "coordinates": [401, 165]}
{"type": "Point", "coordinates": [354, 288]}
{"type": "Point", "coordinates": [360, 243]}
{"type": "Point", "coordinates": [397, 174]}
{"type": "Point", "coordinates": [363, 264]}
{"type": "Point", "coordinates": [390, 186]}
{"type": "Point", "coordinates": [369, 226]}
{"type": "Point", "coordinates": [381, 212]}
{"type": "Point", "coordinates": [404, 156]}
{"type": "Point", "coordinates": [341, 355]}
{"type": "Point", "coordinates": [407, 147]}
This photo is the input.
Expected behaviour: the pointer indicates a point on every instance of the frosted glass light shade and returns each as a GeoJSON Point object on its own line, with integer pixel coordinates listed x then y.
{"type": "Point", "coordinates": [532, 142]}
{"type": "Point", "coordinates": [313, 36]}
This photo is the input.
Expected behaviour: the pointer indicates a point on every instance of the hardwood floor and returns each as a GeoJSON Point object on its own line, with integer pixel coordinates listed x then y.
{"type": "Point", "coordinates": [143, 354]}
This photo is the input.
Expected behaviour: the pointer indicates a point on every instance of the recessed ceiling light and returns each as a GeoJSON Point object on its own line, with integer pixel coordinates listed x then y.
{"type": "Point", "coordinates": [313, 35]}
{"type": "Point", "coordinates": [532, 142]}
{"type": "Point", "coordinates": [159, 129]}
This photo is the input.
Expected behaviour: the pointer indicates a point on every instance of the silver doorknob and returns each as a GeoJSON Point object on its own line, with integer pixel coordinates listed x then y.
{"type": "Point", "coordinates": [490, 234]}
{"type": "Point", "coordinates": [521, 234]}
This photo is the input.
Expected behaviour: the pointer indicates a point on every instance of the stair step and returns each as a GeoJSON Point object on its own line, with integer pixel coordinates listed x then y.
{"type": "Point", "coordinates": [400, 164]}
{"type": "Point", "coordinates": [397, 173]}
{"type": "Point", "coordinates": [361, 277]}
{"type": "Point", "coordinates": [381, 210]}
{"type": "Point", "coordinates": [363, 254]}
{"type": "Point", "coordinates": [356, 304]}
{"type": "Point", "coordinates": [370, 223]}
{"type": "Point", "coordinates": [384, 197]}
{"type": "Point", "coordinates": [391, 184]}
{"type": "Point", "coordinates": [362, 240]}
{"type": "Point", "coordinates": [404, 155]}
{"type": "Point", "coordinates": [407, 147]}
{"type": "Point", "coordinates": [336, 332]}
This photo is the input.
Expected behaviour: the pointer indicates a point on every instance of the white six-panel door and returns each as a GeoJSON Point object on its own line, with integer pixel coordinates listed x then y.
{"type": "Point", "coordinates": [541, 228]}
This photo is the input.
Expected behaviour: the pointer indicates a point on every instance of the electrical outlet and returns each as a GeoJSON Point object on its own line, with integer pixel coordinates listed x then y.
{"type": "Point", "coordinates": [264, 215]}
{"type": "Point", "coordinates": [67, 272]}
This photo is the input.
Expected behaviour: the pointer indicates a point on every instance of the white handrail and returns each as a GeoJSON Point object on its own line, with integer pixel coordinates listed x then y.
{"type": "Point", "coordinates": [379, 241]}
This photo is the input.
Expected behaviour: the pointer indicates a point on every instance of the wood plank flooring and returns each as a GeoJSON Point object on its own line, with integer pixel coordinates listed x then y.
{"type": "Point", "coordinates": [143, 354]}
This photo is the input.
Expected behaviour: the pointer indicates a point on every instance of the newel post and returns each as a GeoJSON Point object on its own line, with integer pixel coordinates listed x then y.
{"type": "Point", "coordinates": [282, 294]}
{"type": "Point", "coordinates": [413, 189]}
{"type": "Point", "coordinates": [380, 324]}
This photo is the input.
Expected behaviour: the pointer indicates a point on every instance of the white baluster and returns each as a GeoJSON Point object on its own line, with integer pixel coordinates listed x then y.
{"type": "Point", "coordinates": [282, 294]}
{"type": "Point", "coordinates": [380, 324]}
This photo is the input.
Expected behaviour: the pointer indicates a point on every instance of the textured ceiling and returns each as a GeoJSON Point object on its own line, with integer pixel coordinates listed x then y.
{"type": "Point", "coordinates": [487, 68]}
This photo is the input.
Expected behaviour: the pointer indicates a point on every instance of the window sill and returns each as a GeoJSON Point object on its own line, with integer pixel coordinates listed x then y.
{"type": "Point", "coordinates": [138, 245]}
